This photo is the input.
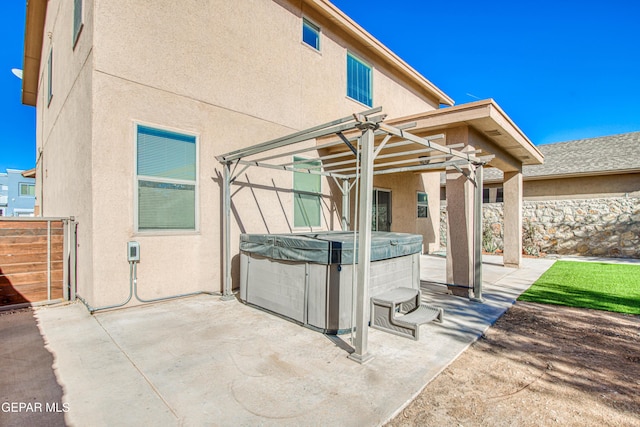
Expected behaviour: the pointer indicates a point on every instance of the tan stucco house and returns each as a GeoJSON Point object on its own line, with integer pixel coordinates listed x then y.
{"type": "Point", "coordinates": [584, 199]}
{"type": "Point", "coordinates": [136, 99]}
{"type": "Point", "coordinates": [579, 169]}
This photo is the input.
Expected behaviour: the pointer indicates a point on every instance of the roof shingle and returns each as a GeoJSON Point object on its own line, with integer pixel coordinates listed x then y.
{"type": "Point", "coordinates": [606, 154]}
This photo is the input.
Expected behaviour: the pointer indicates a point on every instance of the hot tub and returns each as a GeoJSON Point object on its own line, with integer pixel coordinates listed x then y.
{"type": "Point", "coordinates": [307, 278]}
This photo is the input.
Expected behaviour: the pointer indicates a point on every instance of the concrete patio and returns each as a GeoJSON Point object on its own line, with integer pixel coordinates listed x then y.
{"type": "Point", "coordinates": [203, 361]}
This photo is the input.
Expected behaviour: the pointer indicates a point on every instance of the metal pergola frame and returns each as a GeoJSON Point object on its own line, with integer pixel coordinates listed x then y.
{"type": "Point", "coordinates": [359, 165]}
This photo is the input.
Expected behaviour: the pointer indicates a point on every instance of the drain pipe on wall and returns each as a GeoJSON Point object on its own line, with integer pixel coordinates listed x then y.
{"type": "Point", "coordinates": [107, 307]}
{"type": "Point", "coordinates": [133, 256]}
{"type": "Point", "coordinates": [134, 259]}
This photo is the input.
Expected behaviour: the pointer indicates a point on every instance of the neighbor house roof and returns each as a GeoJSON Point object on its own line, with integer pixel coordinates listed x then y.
{"type": "Point", "coordinates": [604, 155]}
{"type": "Point", "coordinates": [36, 12]}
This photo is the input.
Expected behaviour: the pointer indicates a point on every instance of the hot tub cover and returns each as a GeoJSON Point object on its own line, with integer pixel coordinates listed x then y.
{"type": "Point", "coordinates": [329, 247]}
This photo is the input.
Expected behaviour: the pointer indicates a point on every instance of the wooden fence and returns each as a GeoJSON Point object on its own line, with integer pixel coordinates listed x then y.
{"type": "Point", "coordinates": [37, 260]}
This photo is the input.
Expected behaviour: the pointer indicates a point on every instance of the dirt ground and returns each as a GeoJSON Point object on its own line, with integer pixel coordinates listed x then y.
{"type": "Point", "coordinates": [539, 365]}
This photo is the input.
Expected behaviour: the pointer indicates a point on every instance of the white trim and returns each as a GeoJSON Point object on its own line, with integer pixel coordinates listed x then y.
{"type": "Point", "coordinates": [137, 177]}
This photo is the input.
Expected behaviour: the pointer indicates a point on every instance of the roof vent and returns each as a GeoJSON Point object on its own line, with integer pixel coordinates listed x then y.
{"type": "Point", "coordinates": [493, 132]}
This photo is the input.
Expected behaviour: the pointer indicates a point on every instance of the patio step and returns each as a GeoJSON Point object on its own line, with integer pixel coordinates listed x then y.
{"type": "Point", "coordinates": [400, 312]}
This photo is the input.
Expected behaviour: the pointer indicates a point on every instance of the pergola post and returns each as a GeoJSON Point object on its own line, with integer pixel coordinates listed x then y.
{"type": "Point", "coordinates": [460, 233]}
{"type": "Point", "coordinates": [346, 205]}
{"type": "Point", "coordinates": [227, 293]}
{"type": "Point", "coordinates": [512, 255]}
{"type": "Point", "coordinates": [361, 354]}
{"type": "Point", "coordinates": [477, 236]}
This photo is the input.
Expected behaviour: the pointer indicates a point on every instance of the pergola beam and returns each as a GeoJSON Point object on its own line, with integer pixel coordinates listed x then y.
{"type": "Point", "coordinates": [312, 171]}
{"type": "Point", "coordinates": [325, 129]}
{"type": "Point", "coordinates": [367, 128]}
{"type": "Point", "coordinates": [428, 143]}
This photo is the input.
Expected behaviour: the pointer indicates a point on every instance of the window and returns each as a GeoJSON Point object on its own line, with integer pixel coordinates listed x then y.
{"type": "Point", "coordinates": [486, 197]}
{"type": "Point", "coordinates": [50, 77]}
{"type": "Point", "coordinates": [311, 34]}
{"type": "Point", "coordinates": [500, 195]}
{"type": "Point", "coordinates": [77, 20]}
{"type": "Point", "coordinates": [166, 180]}
{"type": "Point", "coordinates": [306, 194]}
{"type": "Point", "coordinates": [423, 205]}
{"type": "Point", "coordinates": [359, 80]}
{"type": "Point", "coordinates": [27, 190]}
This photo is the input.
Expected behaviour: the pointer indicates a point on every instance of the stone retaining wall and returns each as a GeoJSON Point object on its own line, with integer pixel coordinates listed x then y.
{"type": "Point", "coordinates": [608, 227]}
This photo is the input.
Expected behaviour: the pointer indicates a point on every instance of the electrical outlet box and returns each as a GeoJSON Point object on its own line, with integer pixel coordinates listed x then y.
{"type": "Point", "coordinates": [133, 252]}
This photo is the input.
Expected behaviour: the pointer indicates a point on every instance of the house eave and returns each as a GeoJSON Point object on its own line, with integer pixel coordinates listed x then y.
{"type": "Point", "coordinates": [488, 119]}
{"type": "Point", "coordinates": [580, 174]}
{"type": "Point", "coordinates": [33, 37]}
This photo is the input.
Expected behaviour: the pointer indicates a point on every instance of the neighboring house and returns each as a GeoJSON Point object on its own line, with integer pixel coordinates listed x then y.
{"type": "Point", "coordinates": [584, 199]}
{"type": "Point", "coordinates": [581, 169]}
{"type": "Point", "coordinates": [136, 99]}
{"type": "Point", "coordinates": [17, 194]}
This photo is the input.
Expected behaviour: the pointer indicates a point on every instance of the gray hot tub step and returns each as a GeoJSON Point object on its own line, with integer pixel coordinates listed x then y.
{"type": "Point", "coordinates": [399, 312]}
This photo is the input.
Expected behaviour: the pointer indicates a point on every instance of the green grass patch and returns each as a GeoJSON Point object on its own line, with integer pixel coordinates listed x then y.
{"type": "Point", "coordinates": [600, 286]}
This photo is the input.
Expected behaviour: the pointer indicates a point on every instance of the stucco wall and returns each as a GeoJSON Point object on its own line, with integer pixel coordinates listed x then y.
{"type": "Point", "coordinates": [617, 185]}
{"type": "Point", "coordinates": [606, 227]}
{"type": "Point", "coordinates": [233, 74]}
{"type": "Point", "coordinates": [404, 204]}
{"type": "Point", "coordinates": [63, 130]}
{"type": "Point", "coordinates": [246, 56]}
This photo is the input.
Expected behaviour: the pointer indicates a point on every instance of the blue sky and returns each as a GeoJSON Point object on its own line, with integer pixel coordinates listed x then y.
{"type": "Point", "coordinates": [17, 121]}
{"type": "Point", "coordinates": [561, 70]}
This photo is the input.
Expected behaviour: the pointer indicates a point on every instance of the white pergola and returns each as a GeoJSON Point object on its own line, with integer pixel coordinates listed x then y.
{"type": "Point", "coordinates": [358, 148]}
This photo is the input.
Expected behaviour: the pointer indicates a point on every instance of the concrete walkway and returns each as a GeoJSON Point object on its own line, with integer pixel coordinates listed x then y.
{"type": "Point", "coordinates": [202, 361]}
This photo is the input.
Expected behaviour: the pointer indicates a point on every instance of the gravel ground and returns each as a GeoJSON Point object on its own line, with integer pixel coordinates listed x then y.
{"type": "Point", "coordinates": [539, 365]}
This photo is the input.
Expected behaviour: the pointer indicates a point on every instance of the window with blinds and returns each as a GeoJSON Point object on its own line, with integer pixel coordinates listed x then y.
{"type": "Point", "coordinates": [27, 190]}
{"type": "Point", "coordinates": [77, 20]}
{"type": "Point", "coordinates": [359, 85]}
{"type": "Point", "coordinates": [166, 180]}
{"type": "Point", "coordinates": [306, 194]}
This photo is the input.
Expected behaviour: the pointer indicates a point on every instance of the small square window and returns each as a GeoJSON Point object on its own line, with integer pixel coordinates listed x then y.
{"type": "Point", "coordinates": [27, 190]}
{"type": "Point", "coordinates": [500, 195]}
{"type": "Point", "coordinates": [311, 34]}
{"type": "Point", "coordinates": [359, 80]}
{"type": "Point", "coordinates": [423, 205]}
